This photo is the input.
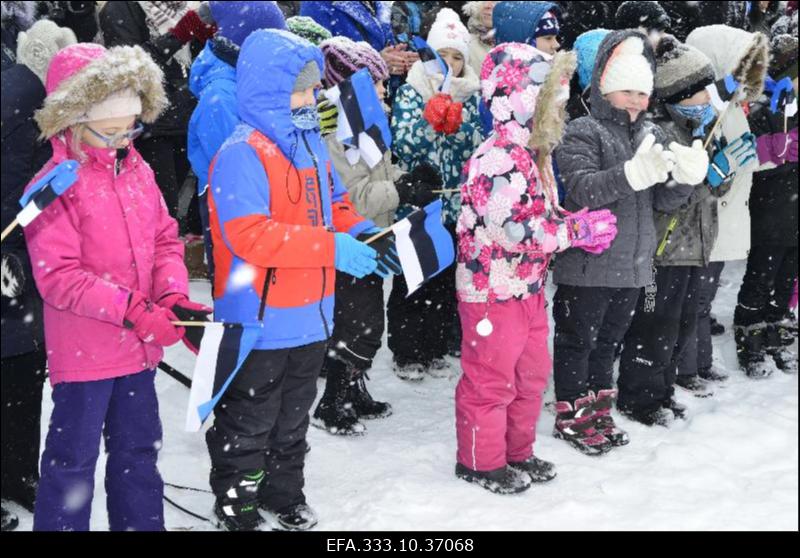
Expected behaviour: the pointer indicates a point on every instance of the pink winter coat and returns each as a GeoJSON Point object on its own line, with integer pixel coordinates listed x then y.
{"type": "Point", "coordinates": [509, 227]}
{"type": "Point", "coordinates": [109, 234]}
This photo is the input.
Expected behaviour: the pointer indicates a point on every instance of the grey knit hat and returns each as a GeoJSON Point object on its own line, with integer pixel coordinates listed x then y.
{"type": "Point", "coordinates": [681, 70]}
{"type": "Point", "coordinates": [308, 77]}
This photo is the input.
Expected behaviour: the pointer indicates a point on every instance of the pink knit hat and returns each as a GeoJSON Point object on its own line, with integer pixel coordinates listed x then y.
{"type": "Point", "coordinates": [344, 57]}
{"type": "Point", "coordinates": [69, 61]}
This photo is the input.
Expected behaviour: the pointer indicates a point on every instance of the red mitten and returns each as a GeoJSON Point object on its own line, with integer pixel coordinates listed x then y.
{"type": "Point", "coordinates": [436, 111]}
{"type": "Point", "coordinates": [454, 118]}
{"type": "Point", "coordinates": [191, 27]}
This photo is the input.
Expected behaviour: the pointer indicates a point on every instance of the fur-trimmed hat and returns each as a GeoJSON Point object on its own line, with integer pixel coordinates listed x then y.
{"type": "Point", "coordinates": [681, 70]}
{"type": "Point", "coordinates": [86, 74]}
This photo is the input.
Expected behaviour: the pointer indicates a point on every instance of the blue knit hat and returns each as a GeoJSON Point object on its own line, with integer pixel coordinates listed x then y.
{"type": "Point", "coordinates": [586, 46]}
{"type": "Point", "coordinates": [518, 22]}
{"type": "Point", "coordinates": [236, 20]}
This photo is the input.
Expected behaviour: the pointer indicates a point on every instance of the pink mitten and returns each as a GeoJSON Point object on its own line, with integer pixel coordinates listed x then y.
{"type": "Point", "coordinates": [187, 311]}
{"type": "Point", "coordinates": [593, 231]}
{"type": "Point", "coordinates": [151, 322]}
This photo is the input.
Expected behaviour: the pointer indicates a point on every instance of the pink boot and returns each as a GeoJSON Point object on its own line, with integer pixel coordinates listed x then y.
{"type": "Point", "coordinates": [575, 424]}
{"type": "Point", "coordinates": [604, 422]}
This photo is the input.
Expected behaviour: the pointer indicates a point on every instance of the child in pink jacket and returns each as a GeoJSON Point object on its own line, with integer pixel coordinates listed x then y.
{"type": "Point", "coordinates": [509, 226]}
{"type": "Point", "coordinates": [109, 266]}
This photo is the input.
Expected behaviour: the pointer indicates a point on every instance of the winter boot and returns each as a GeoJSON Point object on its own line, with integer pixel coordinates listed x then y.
{"type": "Point", "coordinates": [750, 351]}
{"type": "Point", "coordinates": [784, 359]}
{"type": "Point", "coordinates": [439, 368]}
{"type": "Point", "coordinates": [660, 415]}
{"type": "Point", "coordinates": [717, 328]}
{"type": "Point", "coordinates": [505, 480]}
{"type": "Point", "coordinates": [237, 509]}
{"type": "Point", "coordinates": [575, 425]}
{"type": "Point", "coordinates": [411, 372]}
{"type": "Point", "coordinates": [299, 517]}
{"type": "Point", "coordinates": [711, 374]}
{"type": "Point", "coordinates": [9, 521]}
{"type": "Point", "coordinates": [604, 422]}
{"type": "Point", "coordinates": [538, 469]}
{"type": "Point", "coordinates": [335, 413]}
{"type": "Point", "coordinates": [694, 385]}
{"type": "Point", "coordinates": [364, 405]}
{"type": "Point", "coordinates": [679, 411]}
{"type": "Point", "coordinates": [788, 328]}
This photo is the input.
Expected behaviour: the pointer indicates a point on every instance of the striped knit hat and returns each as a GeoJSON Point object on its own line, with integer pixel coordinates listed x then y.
{"type": "Point", "coordinates": [308, 29]}
{"type": "Point", "coordinates": [344, 57]}
{"type": "Point", "coordinates": [681, 70]}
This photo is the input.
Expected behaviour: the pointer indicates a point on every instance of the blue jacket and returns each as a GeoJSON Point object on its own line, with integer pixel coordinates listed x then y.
{"type": "Point", "coordinates": [213, 82]}
{"type": "Point", "coordinates": [515, 22]}
{"type": "Point", "coordinates": [352, 20]}
{"type": "Point", "coordinates": [275, 201]}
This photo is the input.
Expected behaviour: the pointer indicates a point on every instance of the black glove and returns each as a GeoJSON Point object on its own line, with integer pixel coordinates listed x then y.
{"type": "Point", "coordinates": [415, 188]}
{"type": "Point", "coordinates": [388, 262]}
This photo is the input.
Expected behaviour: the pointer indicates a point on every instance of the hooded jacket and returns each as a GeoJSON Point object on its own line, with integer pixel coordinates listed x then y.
{"type": "Point", "coordinates": [509, 225]}
{"type": "Point", "coordinates": [591, 161]}
{"type": "Point", "coordinates": [274, 203]}
{"type": "Point", "coordinates": [353, 20]}
{"type": "Point", "coordinates": [515, 22]}
{"type": "Point", "coordinates": [110, 233]}
{"type": "Point", "coordinates": [746, 55]}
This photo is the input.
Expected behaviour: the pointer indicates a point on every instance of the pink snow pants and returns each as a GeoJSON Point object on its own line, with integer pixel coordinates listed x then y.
{"type": "Point", "coordinates": [499, 397]}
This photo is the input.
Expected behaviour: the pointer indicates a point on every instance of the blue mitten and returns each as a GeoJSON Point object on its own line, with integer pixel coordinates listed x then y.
{"type": "Point", "coordinates": [728, 159]}
{"type": "Point", "coordinates": [354, 257]}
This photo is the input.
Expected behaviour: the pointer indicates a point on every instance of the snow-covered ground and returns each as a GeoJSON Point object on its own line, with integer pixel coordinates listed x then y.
{"type": "Point", "coordinates": [733, 465]}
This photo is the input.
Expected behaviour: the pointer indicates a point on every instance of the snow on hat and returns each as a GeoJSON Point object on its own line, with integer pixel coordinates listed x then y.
{"type": "Point", "coordinates": [308, 77]}
{"type": "Point", "coordinates": [344, 57]}
{"type": "Point", "coordinates": [650, 15]}
{"type": "Point", "coordinates": [119, 104]}
{"type": "Point", "coordinates": [236, 20]}
{"type": "Point", "coordinates": [548, 25]}
{"type": "Point", "coordinates": [783, 57]}
{"type": "Point", "coordinates": [308, 29]}
{"type": "Point", "coordinates": [627, 69]}
{"type": "Point", "coordinates": [681, 70]}
{"type": "Point", "coordinates": [448, 32]}
{"type": "Point", "coordinates": [586, 46]}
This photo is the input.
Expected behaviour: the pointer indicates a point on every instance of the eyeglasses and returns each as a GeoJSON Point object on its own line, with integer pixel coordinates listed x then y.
{"type": "Point", "coordinates": [114, 140]}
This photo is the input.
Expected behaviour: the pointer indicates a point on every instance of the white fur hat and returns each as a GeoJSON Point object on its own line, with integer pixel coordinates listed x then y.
{"type": "Point", "coordinates": [448, 32]}
{"type": "Point", "coordinates": [627, 69]}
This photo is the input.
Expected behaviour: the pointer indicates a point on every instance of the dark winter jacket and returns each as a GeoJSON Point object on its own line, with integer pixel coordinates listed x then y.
{"type": "Point", "coordinates": [688, 16]}
{"type": "Point", "coordinates": [124, 23]}
{"type": "Point", "coordinates": [697, 221]}
{"type": "Point", "coordinates": [353, 20]}
{"type": "Point", "coordinates": [773, 199]}
{"type": "Point", "coordinates": [591, 160]}
{"type": "Point", "coordinates": [22, 156]}
{"type": "Point", "coordinates": [80, 17]}
{"type": "Point", "coordinates": [763, 21]}
{"type": "Point", "coordinates": [579, 17]}
{"type": "Point", "coordinates": [15, 17]}
{"type": "Point", "coordinates": [289, 9]}
{"type": "Point", "coordinates": [413, 18]}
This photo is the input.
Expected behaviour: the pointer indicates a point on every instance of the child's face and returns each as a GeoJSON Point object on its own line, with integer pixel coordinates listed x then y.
{"type": "Point", "coordinates": [699, 98]}
{"type": "Point", "coordinates": [380, 89]}
{"type": "Point", "coordinates": [634, 102]}
{"type": "Point", "coordinates": [486, 14]}
{"type": "Point", "coordinates": [454, 59]}
{"type": "Point", "coordinates": [108, 127]}
{"type": "Point", "coordinates": [304, 98]}
{"type": "Point", "coordinates": [548, 44]}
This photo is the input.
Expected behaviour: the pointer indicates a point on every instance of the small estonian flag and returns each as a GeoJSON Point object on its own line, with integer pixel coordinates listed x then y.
{"type": "Point", "coordinates": [424, 246]}
{"type": "Point", "coordinates": [223, 350]}
{"type": "Point", "coordinates": [782, 97]}
{"type": "Point", "coordinates": [721, 92]}
{"type": "Point", "coordinates": [432, 62]}
{"type": "Point", "coordinates": [362, 125]}
{"type": "Point", "coordinates": [44, 191]}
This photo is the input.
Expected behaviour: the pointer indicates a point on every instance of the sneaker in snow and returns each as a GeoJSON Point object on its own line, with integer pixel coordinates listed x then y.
{"type": "Point", "coordinates": [695, 385]}
{"type": "Point", "coordinates": [505, 480]}
{"type": "Point", "coordinates": [413, 372]}
{"type": "Point", "coordinates": [538, 469]}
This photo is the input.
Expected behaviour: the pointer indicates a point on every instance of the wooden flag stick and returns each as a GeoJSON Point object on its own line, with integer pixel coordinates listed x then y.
{"type": "Point", "coordinates": [717, 124]}
{"type": "Point", "coordinates": [192, 324]}
{"type": "Point", "coordinates": [7, 231]}
{"type": "Point", "coordinates": [447, 191]}
{"type": "Point", "coordinates": [381, 234]}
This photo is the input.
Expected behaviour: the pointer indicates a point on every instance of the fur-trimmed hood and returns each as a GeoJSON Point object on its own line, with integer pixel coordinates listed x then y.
{"type": "Point", "coordinates": [473, 11]}
{"type": "Point", "coordinates": [521, 87]}
{"type": "Point", "coordinates": [737, 52]}
{"type": "Point", "coordinates": [461, 88]}
{"type": "Point", "coordinates": [83, 75]}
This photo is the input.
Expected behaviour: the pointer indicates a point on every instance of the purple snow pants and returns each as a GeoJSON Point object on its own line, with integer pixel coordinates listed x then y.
{"type": "Point", "coordinates": [125, 411]}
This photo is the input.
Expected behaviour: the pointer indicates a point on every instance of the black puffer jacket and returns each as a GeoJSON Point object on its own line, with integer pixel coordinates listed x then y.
{"type": "Point", "coordinates": [591, 161]}
{"type": "Point", "coordinates": [124, 23]}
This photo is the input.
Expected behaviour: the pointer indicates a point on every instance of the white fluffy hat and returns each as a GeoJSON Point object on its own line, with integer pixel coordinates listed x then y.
{"type": "Point", "coordinates": [448, 32]}
{"type": "Point", "coordinates": [627, 69]}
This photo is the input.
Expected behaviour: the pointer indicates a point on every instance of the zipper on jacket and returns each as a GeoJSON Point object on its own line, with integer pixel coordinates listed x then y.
{"type": "Point", "coordinates": [330, 228]}
{"type": "Point", "coordinates": [269, 279]}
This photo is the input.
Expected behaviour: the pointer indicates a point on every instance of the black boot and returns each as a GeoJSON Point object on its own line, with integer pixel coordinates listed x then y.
{"type": "Point", "coordinates": [9, 520]}
{"type": "Point", "coordinates": [299, 517]}
{"type": "Point", "coordinates": [649, 417]}
{"type": "Point", "coordinates": [694, 385]}
{"type": "Point", "coordinates": [679, 411]}
{"type": "Point", "coordinates": [363, 403]}
{"type": "Point", "coordinates": [784, 359]}
{"type": "Point", "coordinates": [538, 469]}
{"type": "Point", "coordinates": [750, 351]}
{"type": "Point", "coordinates": [335, 413]}
{"type": "Point", "coordinates": [711, 374]}
{"type": "Point", "coordinates": [505, 480]}
{"type": "Point", "coordinates": [237, 509]}
{"type": "Point", "coordinates": [717, 328]}
{"type": "Point", "coordinates": [788, 328]}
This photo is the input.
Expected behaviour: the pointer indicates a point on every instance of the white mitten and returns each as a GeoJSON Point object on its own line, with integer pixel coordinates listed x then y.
{"type": "Point", "coordinates": [691, 163]}
{"type": "Point", "coordinates": [650, 165]}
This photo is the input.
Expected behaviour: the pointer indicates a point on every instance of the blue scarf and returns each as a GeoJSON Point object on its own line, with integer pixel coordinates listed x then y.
{"type": "Point", "coordinates": [305, 118]}
{"type": "Point", "coordinates": [704, 114]}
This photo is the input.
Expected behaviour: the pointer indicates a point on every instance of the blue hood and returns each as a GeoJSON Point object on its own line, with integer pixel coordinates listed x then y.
{"type": "Point", "coordinates": [269, 63]}
{"type": "Point", "coordinates": [515, 22]}
{"type": "Point", "coordinates": [206, 69]}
